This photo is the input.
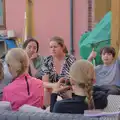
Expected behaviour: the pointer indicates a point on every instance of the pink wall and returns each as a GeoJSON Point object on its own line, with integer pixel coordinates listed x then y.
{"type": "Point", "coordinates": [51, 17]}
{"type": "Point", "coordinates": [80, 21]}
{"type": "Point", "coordinates": [15, 16]}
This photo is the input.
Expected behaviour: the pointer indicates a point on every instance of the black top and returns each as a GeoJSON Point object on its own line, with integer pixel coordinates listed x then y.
{"type": "Point", "coordinates": [76, 104]}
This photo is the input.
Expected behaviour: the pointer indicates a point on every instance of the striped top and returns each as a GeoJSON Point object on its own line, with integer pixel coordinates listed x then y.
{"type": "Point", "coordinates": [49, 69]}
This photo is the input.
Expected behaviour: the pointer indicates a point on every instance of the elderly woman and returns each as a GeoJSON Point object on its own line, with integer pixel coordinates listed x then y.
{"type": "Point", "coordinates": [24, 89]}
{"type": "Point", "coordinates": [31, 46]}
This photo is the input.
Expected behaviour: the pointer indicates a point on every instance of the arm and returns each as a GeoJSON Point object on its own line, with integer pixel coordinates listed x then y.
{"type": "Point", "coordinates": [91, 56]}
{"type": "Point", "coordinates": [45, 70]}
{"type": "Point", "coordinates": [53, 100]}
{"type": "Point", "coordinates": [119, 55]}
{"type": "Point", "coordinates": [90, 59]}
{"type": "Point", "coordinates": [55, 88]}
{"type": "Point", "coordinates": [5, 95]}
{"type": "Point", "coordinates": [33, 69]}
{"type": "Point", "coordinates": [45, 78]}
{"type": "Point", "coordinates": [42, 94]}
{"type": "Point", "coordinates": [1, 71]}
{"type": "Point", "coordinates": [47, 92]}
{"type": "Point", "coordinates": [36, 62]}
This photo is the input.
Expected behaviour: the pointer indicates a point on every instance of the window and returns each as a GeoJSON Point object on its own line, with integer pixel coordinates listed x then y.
{"type": "Point", "coordinates": [2, 15]}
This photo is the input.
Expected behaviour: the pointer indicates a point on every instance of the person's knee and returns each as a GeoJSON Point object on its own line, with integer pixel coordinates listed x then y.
{"type": "Point", "coordinates": [113, 92]}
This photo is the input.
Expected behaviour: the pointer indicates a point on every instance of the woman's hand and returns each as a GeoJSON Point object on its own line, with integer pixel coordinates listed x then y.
{"type": "Point", "coordinates": [35, 55]}
{"type": "Point", "coordinates": [57, 87]}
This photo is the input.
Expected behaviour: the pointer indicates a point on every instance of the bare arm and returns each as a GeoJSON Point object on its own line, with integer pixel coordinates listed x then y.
{"type": "Point", "coordinates": [33, 69]}
{"type": "Point", "coordinates": [45, 78]}
{"type": "Point", "coordinates": [90, 59]}
{"type": "Point", "coordinates": [47, 91]}
{"type": "Point", "coordinates": [91, 56]}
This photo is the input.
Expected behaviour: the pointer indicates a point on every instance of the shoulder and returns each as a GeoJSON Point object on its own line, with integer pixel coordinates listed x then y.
{"type": "Point", "coordinates": [60, 106]}
{"type": "Point", "coordinates": [8, 88]}
{"type": "Point", "coordinates": [69, 56]}
{"type": "Point", "coordinates": [40, 57]}
{"type": "Point", "coordinates": [98, 67]}
{"type": "Point", "coordinates": [36, 81]}
{"type": "Point", "coordinates": [70, 106]}
{"type": "Point", "coordinates": [48, 58]}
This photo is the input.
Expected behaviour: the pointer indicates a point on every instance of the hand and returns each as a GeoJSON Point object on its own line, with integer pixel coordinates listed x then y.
{"type": "Point", "coordinates": [35, 55]}
{"type": "Point", "coordinates": [57, 87]}
{"type": "Point", "coordinates": [67, 94]}
{"type": "Point", "coordinates": [92, 54]}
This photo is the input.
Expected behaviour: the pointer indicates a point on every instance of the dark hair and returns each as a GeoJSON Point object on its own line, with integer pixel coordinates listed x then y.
{"type": "Point", "coordinates": [30, 40]}
{"type": "Point", "coordinates": [60, 41]}
{"type": "Point", "coordinates": [108, 49]}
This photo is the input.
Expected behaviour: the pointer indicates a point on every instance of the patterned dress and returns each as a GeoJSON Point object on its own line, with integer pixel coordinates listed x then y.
{"type": "Point", "coordinates": [49, 69]}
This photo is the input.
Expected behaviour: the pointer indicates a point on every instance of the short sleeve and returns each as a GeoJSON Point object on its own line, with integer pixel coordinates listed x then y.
{"type": "Point", "coordinates": [70, 59]}
{"type": "Point", "coordinates": [45, 67]}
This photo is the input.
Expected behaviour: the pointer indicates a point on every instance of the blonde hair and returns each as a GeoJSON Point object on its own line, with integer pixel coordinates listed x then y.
{"type": "Point", "coordinates": [1, 71]}
{"type": "Point", "coordinates": [82, 72]}
{"type": "Point", "coordinates": [17, 59]}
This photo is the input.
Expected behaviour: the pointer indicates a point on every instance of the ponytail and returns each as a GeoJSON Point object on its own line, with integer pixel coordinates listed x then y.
{"type": "Point", "coordinates": [89, 94]}
{"type": "Point", "coordinates": [22, 68]}
{"type": "Point", "coordinates": [65, 50]}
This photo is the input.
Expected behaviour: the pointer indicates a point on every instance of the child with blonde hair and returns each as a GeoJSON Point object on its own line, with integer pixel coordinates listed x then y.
{"type": "Point", "coordinates": [24, 89]}
{"type": "Point", "coordinates": [82, 76]}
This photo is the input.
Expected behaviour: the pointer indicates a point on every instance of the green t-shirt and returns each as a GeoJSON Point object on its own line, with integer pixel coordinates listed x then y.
{"type": "Point", "coordinates": [38, 62]}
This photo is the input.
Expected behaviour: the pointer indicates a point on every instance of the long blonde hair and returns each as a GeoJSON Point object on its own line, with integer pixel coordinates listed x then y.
{"type": "Point", "coordinates": [82, 72]}
{"type": "Point", "coordinates": [17, 59]}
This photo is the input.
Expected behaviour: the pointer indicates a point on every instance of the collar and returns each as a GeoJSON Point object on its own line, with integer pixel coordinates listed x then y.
{"type": "Point", "coordinates": [21, 77]}
{"type": "Point", "coordinates": [77, 97]}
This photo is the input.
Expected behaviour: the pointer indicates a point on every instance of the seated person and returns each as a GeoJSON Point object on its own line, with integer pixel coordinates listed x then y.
{"type": "Point", "coordinates": [31, 46]}
{"type": "Point", "coordinates": [1, 78]}
{"type": "Point", "coordinates": [108, 74]}
{"type": "Point", "coordinates": [81, 79]}
{"type": "Point", "coordinates": [5, 76]}
{"type": "Point", "coordinates": [24, 89]}
{"type": "Point", "coordinates": [1, 71]}
{"type": "Point", "coordinates": [56, 65]}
